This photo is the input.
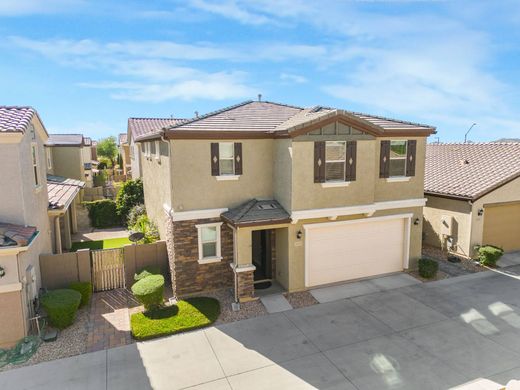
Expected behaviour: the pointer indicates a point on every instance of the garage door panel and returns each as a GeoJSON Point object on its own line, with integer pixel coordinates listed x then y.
{"type": "Point", "coordinates": [502, 226]}
{"type": "Point", "coordinates": [351, 251]}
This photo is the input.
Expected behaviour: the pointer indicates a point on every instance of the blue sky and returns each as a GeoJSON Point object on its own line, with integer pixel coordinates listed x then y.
{"type": "Point", "coordinates": [87, 66]}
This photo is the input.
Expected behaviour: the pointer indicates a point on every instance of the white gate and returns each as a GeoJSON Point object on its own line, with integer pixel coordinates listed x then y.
{"type": "Point", "coordinates": [108, 269]}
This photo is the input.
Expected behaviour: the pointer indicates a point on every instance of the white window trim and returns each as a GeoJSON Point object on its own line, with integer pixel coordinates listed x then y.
{"type": "Point", "coordinates": [333, 182]}
{"type": "Point", "coordinates": [227, 177]}
{"type": "Point", "coordinates": [157, 150]}
{"type": "Point", "coordinates": [232, 158]}
{"type": "Point", "coordinates": [398, 158]}
{"type": "Point", "coordinates": [34, 164]}
{"type": "Point", "coordinates": [397, 179]}
{"type": "Point", "coordinates": [218, 257]}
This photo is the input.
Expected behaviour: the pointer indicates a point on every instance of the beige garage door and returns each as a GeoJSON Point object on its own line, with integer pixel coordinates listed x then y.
{"type": "Point", "coordinates": [343, 251]}
{"type": "Point", "coordinates": [502, 226]}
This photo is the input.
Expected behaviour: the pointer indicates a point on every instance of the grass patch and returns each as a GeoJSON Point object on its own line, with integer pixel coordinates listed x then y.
{"type": "Point", "coordinates": [101, 244]}
{"type": "Point", "coordinates": [188, 314]}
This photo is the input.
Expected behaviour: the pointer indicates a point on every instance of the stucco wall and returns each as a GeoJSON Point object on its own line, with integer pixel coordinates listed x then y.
{"type": "Point", "coordinates": [460, 210]}
{"type": "Point", "coordinates": [135, 160]}
{"type": "Point", "coordinates": [11, 320]}
{"type": "Point", "coordinates": [68, 162]}
{"type": "Point", "coordinates": [282, 172]}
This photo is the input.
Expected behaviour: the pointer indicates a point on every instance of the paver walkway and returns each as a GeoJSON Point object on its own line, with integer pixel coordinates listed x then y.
{"type": "Point", "coordinates": [436, 335]}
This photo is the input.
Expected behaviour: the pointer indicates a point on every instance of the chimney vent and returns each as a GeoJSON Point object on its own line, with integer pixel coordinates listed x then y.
{"type": "Point", "coordinates": [259, 97]}
{"type": "Point", "coordinates": [196, 114]}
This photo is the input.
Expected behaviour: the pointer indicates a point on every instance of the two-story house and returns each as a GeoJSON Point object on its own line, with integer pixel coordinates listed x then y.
{"type": "Point", "coordinates": [24, 223]}
{"type": "Point", "coordinates": [265, 191]}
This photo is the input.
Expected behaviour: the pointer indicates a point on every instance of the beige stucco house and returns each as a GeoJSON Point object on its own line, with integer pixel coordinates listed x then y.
{"type": "Point", "coordinates": [473, 193]}
{"type": "Point", "coordinates": [124, 151]}
{"type": "Point", "coordinates": [303, 197]}
{"type": "Point", "coordinates": [24, 223]}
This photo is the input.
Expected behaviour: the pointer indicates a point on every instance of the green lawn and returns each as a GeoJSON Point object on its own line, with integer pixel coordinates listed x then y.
{"type": "Point", "coordinates": [101, 244]}
{"type": "Point", "coordinates": [188, 314]}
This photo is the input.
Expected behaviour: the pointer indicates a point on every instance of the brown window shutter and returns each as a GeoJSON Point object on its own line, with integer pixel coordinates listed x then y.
{"type": "Point", "coordinates": [350, 170]}
{"type": "Point", "coordinates": [215, 171]}
{"type": "Point", "coordinates": [238, 158]}
{"type": "Point", "coordinates": [384, 159]}
{"type": "Point", "coordinates": [410, 157]}
{"type": "Point", "coordinates": [319, 162]}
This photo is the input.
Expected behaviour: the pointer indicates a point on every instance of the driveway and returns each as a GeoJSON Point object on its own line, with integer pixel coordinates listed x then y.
{"type": "Point", "coordinates": [429, 336]}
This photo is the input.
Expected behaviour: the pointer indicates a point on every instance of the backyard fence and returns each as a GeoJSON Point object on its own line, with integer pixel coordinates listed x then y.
{"type": "Point", "coordinates": [108, 269]}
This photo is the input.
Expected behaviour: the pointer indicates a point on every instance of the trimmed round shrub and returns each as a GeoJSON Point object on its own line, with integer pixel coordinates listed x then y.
{"type": "Point", "coordinates": [428, 268]}
{"type": "Point", "coordinates": [147, 271]}
{"type": "Point", "coordinates": [149, 291]}
{"type": "Point", "coordinates": [85, 289]}
{"type": "Point", "coordinates": [488, 255]}
{"type": "Point", "coordinates": [61, 306]}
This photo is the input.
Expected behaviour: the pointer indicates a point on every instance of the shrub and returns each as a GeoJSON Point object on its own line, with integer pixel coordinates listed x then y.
{"type": "Point", "coordinates": [102, 213]}
{"type": "Point", "coordinates": [100, 179]}
{"type": "Point", "coordinates": [131, 194]}
{"type": "Point", "coordinates": [135, 213]}
{"type": "Point", "coordinates": [428, 268]}
{"type": "Point", "coordinates": [147, 227]}
{"type": "Point", "coordinates": [489, 255]}
{"type": "Point", "coordinates": [149, 291]}
{"type": "Point", "coordinates": [85, 289]}
{"type": "Point", "coordinates": [61, 306]}
{"type": "Point", "coordinates": [147, 271]}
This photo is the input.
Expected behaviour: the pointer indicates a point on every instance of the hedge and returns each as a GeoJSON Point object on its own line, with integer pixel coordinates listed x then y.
{"type": "Point", "coordinates": [489, 255]}
{"type": "Point", "coordinates": [61, 306]}
{"type": "Point", "coordinates": [102, 213]}
{"type": "Point", "coordinates": [428, 268]}
{"type": "Point", "coordinates": [130, 195]}
{"type": "Point", "coordinates": [147, 271]}
{"type": "Point", "coordinates": [149, 291]}
{"type": "Point", "coordinates": [85, 289]}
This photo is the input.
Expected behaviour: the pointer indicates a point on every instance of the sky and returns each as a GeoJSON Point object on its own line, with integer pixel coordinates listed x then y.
{"type": "Point", "coordinates": [87, 66]}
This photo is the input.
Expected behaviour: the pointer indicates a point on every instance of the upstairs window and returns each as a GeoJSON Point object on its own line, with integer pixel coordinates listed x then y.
{"type": "Point", "coordinates": [335, 157]}
{"type": "Point", "coordinates": [226, 158]}
{"type": "Point", "coordinates": [34, 157]}
{"type": "Point", "coordinates": [398, 152]}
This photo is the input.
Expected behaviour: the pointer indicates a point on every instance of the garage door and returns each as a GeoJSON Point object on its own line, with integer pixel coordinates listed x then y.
{"type": "Point", "coordinates": [343, 251]}
{"type": "Point", "coordinates": [502, 226]}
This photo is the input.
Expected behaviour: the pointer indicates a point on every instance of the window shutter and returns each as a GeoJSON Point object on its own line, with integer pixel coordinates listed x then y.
{"type": "Point", "coordinates": [238, 158]}
{"type": "Point", "coordinates": [350, 169]}
{"type": "Point", "coordinates": [319, 162]}
{"type": "Point", "coordinates": [215, 171]}
{"type": "Point", "coordinates": [410, 158]}
{"type": "Point", "coordinates": [384, 159]}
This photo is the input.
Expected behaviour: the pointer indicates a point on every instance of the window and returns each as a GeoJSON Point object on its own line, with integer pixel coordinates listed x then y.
{"type": "Point", "coordinates": [226, 158]}
{"type": "Point", "coordinates": [209, 243]}
{"type": "Point", "coordinates": [151, 148]}
{"type": "Point", "coordinates": [335, 155]}
{"type": "Point", "coordinates": [49, 158]}
{"type": "Point", "coordinates": [157, 150]}
{"type": "Point", "coordinates": [34, 156]}
{"type": "Point", "coordinates": [398, 150]}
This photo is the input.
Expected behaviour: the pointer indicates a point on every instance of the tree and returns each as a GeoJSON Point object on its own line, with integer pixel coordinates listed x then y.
{"type": "Point", "coordinates": [107, 147]}
{"type": "Point", "coordinates": [130, 195]}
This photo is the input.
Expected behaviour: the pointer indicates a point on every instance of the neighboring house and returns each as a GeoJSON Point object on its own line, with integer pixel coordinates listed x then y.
{"type": "Point", "coordinates": [267, 191]}
{"type": "Point", "coordinates": [24, 224]}
{"type": "Point", "coordinates": [70, 157]}
{"type": "Point", "coordinates": [124, 151]}
{"type": "Point", "coordinates": [138, 127]}
{"type": "Point", "coordinates": [473, 193]}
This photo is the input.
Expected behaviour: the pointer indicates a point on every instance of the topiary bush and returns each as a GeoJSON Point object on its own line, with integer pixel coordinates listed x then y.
{"type": "Point", "coordinates": [428, 268]}
{"type": "Point", "coordinates": [102, 213]}
{"type": "Point", "coordinates": [131, 194]}
{"type": "Point", "coordinates": [147, 271]}
{"type": "Point", "coordinates": [85, 289]}
{"type": "Point", "coordinates": [149, 291]}
{"type": "Point", "coordinates": [488, 255]}
{"type": "Point", "coordinates": [61, 306]}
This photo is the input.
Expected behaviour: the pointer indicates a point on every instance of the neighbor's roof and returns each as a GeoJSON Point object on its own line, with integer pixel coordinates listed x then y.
{"type": "Point", "coordinates": [256, 212]}
{"type": "Point", "coordinates": [470, 171]}
{"type": "Point", "coordinates": [15, 235]}
{"type": "Point", "coordinates": [141, 126]}
{"type": "Point", "coordinates": [62, 191]}
{"type": "Point", "coordinates": [259, 118]}
{"type": "Point", "coordinates": [87, 141]}
{"type": "Point", "coordinates": [122, 138]}
{"type": "Point", "coordinates": [15, 119]}
{"type": "Point", "coordinates": [65, 140]}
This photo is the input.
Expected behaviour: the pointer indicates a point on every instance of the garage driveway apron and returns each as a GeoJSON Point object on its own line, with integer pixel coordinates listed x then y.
{"type": "Point", "coordinates": [427, 336]}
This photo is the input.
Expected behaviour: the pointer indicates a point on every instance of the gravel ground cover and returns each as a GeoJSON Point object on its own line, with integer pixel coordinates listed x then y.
{"type": "Point", "coordinates": [300, 299]}
{"type": "Point", "coordinates": [467, 264]}
{"type": "Point", "coordinates": [247, 309]}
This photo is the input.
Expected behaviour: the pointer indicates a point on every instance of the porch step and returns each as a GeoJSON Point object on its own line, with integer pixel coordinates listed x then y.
{"type": "Point", "coordinates": [275, 303]}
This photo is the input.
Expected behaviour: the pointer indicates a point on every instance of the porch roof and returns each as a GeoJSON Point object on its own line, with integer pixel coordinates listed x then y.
{"type": "Point", "coordinates": [257, 212]}
{"type": "Point", "coordinates": [15, 235]}
{"type": "Point", "coordinates": [62, 191]}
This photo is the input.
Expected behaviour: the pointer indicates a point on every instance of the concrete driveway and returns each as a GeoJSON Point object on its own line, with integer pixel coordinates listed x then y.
{"type": "Point", "coordinates": [429, 336]}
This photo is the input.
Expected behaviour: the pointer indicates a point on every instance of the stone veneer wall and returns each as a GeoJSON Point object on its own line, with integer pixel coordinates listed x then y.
{"type": "Point", "coordinates": [246, 289]}
{"type": "Point", "coordinates": [188, 276]}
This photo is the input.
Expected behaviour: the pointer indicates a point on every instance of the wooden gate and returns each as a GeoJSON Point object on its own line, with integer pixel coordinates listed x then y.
{"type": "Point", "coordinates": [108, 269]}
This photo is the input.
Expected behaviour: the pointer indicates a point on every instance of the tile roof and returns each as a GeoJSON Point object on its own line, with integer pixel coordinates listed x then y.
{"type": "Point", "coordinates": [15, 235]}
{"type": "Point", "coordinates": [15, 119]}
{"type": "Point", "coordinates": [122, 138]}
{"type": "Point", "coordinates": [65, 140]}
{"type": "Point", "coordinates": [141, 126]}
{"type": "Point", "coordinates": [62, 191]}
{"type": "Point", "coordinates": [256, 212]}
{"type": "Point", "coordinates": [470, 171]}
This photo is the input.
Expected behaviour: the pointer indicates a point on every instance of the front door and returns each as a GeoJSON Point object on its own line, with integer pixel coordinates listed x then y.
{"type": "Point", "coordinates": [261, 244]}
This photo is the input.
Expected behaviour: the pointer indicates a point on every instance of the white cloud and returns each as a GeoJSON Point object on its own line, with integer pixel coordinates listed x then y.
{"type": "Point", "coordinates": [293, 78]}
{"type": "Point", "coordinates": [31, 7]}
{"type": "Point", "coordinates": [230, 9]}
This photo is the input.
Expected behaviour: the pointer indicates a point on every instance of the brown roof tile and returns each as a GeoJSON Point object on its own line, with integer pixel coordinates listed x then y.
{"type": "Point", "coordinates": [62, 190]}
{"type": "Point", "coordinates": [122, 138]}
{"type": "Point", "coordinates": [65, 140]}
{"type": "Point", "coordinates": [257, 212]}
{"type": "Point", "coordinates": [470, 171]}
{"type": "Point", "coordinates": [15, 235]}
{"type": "Point", "coordinates": [142, 126]}
{"type": "Point", "coordinates": [15, 119]}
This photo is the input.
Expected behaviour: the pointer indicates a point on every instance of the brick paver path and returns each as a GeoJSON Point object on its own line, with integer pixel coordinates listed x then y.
{"type": "Point", "coordinates": [109, 319]}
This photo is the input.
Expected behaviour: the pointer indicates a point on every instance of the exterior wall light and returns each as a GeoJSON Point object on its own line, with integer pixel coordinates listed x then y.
{"type": "Point", "coordinates": [2, 272]}
{"type": "Point", "coordinates": [299, 234]}
{"type": "Point", "coordinates": [416, 221]}
{"type": "Point", "coordinates": [480, 212]}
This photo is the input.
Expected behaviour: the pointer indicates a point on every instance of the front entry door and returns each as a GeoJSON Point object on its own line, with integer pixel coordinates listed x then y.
{"type": "Point", "coordinates": [261, 244]}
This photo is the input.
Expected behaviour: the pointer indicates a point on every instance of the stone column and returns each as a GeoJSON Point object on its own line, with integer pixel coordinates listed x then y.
{"type": "Point", "coordinates": [245, 285]}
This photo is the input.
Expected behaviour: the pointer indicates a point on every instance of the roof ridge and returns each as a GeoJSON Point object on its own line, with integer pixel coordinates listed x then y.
{"type": "Point", "coordinates": [474, 143]}
{"type": "Point", "coordinates": [249, 205]}
{"type": "Point", "coordinates": [67, 134]}
{"type": "Point", "coordinates": [18, 107]}
{"type": "Point", "coordinates": [278, 104]}
{"type": "Point", "coordinates": [158, 118]}
{"type": "Point", "coordinates": [387, 118]}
